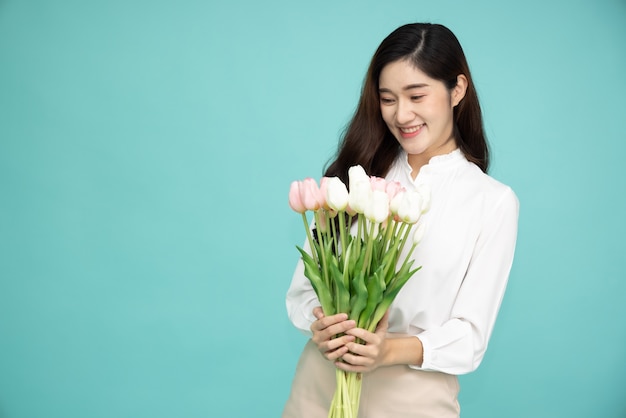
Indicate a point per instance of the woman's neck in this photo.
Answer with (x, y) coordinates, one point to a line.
(417, 161)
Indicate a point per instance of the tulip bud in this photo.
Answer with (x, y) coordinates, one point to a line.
(394, 205)
(323, 192)
(378, 183)
(322, 222)
(360, 195)
(424, 191)
(310, 194)
(410, 208)
(294, 198)
(418, 234)
(356, 174)
(336, 194)
(393, 188)
(378, 209)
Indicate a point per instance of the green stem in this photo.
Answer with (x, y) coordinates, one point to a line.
(329, 235)
(390, 230)
(333, 225)
(322, 244)
(309, 237)
(359, 234)
(405, 237)
(368, 250)
(408, 256)
(342, 233)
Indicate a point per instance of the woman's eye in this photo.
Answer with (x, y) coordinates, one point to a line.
(385, 100)
(416, 97)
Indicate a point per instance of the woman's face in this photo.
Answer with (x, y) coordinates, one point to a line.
(418, 110)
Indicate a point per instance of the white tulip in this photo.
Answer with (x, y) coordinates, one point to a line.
(360, 195)
(410, 208)
(394, 205)
(378, 209)
(424, 190)
(356, 174)
(336, 194)
(418, 234)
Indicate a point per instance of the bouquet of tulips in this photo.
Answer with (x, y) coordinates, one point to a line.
(355, 264)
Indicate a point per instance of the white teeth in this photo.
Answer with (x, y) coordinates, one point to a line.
(412, 129)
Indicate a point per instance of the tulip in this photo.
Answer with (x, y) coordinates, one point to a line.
(378, 183)
(322, 221)
(310, 194)
(336, 194)
(394, 205)
(424, 191)
(294, 197)
(360, 195)
(410, 208)
(393, 188)
(323, 192)
(356, 174)
(377, 210)
(418, 234)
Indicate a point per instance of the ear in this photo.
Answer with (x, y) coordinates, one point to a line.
(458, 91)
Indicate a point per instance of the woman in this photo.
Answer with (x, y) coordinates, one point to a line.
(418, 122)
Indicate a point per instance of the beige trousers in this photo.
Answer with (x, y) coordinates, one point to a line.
(387, 392)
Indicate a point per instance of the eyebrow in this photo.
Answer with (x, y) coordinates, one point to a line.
(405, 88)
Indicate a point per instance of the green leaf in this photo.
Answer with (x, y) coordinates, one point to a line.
(342, 294)
(359, 296)
(312, 272)
(390, 294)
(375, 289)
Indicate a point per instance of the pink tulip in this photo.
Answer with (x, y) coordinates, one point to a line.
(322, 223)
(294, 197)
(393, 188)
(310, 194)
(378, 183)
(350, 211)
(324, 192)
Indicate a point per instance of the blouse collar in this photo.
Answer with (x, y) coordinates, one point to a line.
(436, 164)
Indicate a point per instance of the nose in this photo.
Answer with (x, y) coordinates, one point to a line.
(404, 113)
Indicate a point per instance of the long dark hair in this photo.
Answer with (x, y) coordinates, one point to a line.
(436, 51)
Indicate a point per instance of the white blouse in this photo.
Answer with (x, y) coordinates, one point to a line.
(466, 254)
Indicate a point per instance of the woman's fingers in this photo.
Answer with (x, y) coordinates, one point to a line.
(329, 326)
(370, 346)
(335, 348)
(318, 312)
(329, 333)
(366, 356)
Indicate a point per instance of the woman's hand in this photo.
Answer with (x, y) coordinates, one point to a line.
(325, 328)
(369, 355)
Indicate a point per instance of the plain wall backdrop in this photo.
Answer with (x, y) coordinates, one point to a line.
(146, 152)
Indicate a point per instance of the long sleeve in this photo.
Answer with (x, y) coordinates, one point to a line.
(459, 344)
(301, 298)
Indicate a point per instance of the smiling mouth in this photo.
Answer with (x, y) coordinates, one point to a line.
(412, 129)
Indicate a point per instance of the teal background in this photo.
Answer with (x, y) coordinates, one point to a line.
(146, 151)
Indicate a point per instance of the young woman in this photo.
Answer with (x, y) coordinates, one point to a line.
(418, 122)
